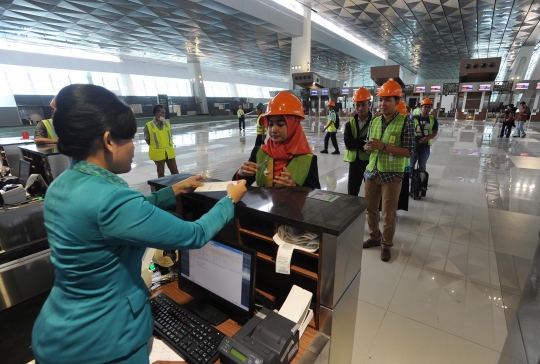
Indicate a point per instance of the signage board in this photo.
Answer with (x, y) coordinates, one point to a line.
(314, 92)
(435, 88)
(522, 86)
(466, 87)
(324, 92)
(486, 87)
(538, 85)
(344, 91)
(420, 89)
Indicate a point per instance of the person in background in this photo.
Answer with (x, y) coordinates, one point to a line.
(261, 126)
(45, 132)
(157, 134)
(355, 134)
(508, 121)
(241, 118)
(391, 144)
(332, 130)
(426, 127)
(521, 118)
(98, 229)
(286, 158)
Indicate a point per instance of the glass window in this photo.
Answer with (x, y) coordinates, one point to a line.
(59, 79)
(110, 82)
(138, 85)
(19, 81)
(217, 89)
(78, 77)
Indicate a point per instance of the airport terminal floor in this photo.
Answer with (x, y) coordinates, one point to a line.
(461, 254)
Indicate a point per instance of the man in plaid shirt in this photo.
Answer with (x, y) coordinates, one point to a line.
(391, 144)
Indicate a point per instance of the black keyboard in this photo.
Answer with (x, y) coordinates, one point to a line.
(191, 337)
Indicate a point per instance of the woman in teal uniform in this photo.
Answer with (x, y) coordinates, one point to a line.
(286, 159)
(98, 309)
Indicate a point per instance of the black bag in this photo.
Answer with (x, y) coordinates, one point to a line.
(336, 123)
(419, 183)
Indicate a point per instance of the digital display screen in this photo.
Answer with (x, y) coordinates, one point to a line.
(345, 91)
(378, 89)
(420, 89)
(538, 85)
(523, 86)
(435, 88)
(314, 92)
(354, 90)
(466, 87)
(238, 355)
(324, 92)
(484, 87)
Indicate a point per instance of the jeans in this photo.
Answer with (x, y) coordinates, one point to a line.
(241, 123)
(421, 157)
(519, 128)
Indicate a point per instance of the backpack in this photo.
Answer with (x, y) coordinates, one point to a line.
(336, 122)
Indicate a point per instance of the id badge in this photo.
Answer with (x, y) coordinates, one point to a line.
(392, 139)
(390, 157)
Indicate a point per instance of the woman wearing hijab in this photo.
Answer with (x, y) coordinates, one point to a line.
(286, 159)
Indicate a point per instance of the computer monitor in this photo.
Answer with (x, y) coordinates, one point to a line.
(25, 169)
(225, 273)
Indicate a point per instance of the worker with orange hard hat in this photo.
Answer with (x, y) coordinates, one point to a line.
(391, 144)
(286, 158)
(355, 134)
(426, 127)
(44, 132)
(332, 125)
(241, 118)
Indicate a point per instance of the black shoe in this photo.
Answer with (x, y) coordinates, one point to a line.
(371, 243)
(335, 152)
(324, 151)
(385, 255)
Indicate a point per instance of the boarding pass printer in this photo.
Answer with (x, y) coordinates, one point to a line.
(268, 338)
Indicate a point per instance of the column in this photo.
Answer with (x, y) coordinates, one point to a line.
(127, 85)
(482, 101)
(535, 104)
(301, 48)
(463, 108)
(197, 86)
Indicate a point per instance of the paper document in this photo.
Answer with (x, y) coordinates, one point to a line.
(323, 196)
(214, 186)
(159, 351)
(283, 259)
(296, 306)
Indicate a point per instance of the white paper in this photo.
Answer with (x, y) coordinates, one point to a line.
(283, 259)
(160, 351)
(214, 186)
(33, 177)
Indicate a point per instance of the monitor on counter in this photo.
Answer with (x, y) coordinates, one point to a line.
(486, 87)
(466, 87)
(420, 89)
(324, 92)
(522, 86)
(435, 88)
(314, 92)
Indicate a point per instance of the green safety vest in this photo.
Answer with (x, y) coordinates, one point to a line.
(261, 130)
(417, 111)
(391, 136)
(161, 144)
(298, 167)
(350, 155)
(419, 132)
(331, 125)
(240, 113)
(51, 134)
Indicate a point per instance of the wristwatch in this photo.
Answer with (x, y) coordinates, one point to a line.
(234, 203)
(384, 146)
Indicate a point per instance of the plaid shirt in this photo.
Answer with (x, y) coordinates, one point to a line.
(407, 141)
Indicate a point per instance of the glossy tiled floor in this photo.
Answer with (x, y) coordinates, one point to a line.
(461, 254)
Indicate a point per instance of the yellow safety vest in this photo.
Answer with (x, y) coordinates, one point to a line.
(350, 155)
(419, 132)
(261, 130)
(298, 167)
(391, 136)
(161, 145)
(331, 124)
(51, 133)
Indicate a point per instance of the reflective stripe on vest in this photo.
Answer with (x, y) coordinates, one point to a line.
(261, 130)
(431, 123)
(161, 145)
(350, 155)
(51, 133)
(391, 136)
(331, 125)
(298, 167)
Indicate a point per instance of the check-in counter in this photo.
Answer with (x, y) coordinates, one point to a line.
(10, 148)
(46, 160)
(332, 273)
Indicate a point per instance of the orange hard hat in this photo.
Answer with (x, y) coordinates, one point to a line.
(362, 94)
(285, 103)
(402, 108)
(426, 101)
(390, 88)
(53, 103)
(331, 103)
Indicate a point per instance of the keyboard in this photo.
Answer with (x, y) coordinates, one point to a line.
(191, 337)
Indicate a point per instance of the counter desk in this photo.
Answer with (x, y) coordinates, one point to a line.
(332, 273)
(46, 160)
(12, 153)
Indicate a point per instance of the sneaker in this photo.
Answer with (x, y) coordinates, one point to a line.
(523, 136)
(324, 151)
(515, 136)
(385, 255)
(371, 243)
(335, 152)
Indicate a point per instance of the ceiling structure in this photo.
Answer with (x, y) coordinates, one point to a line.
(427, 37)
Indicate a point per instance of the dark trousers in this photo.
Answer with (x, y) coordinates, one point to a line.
(356, 176)
(242, 123)
(334, 140)
(171, 164)
(508, 126)
(260, 139)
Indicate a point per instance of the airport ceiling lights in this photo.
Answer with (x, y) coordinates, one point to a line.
(432, 37)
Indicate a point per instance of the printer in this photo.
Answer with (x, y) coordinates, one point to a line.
(13, 194)
(268, 338)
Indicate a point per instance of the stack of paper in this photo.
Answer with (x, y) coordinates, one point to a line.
(296, 306)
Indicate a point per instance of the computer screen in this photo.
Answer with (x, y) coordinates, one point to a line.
(25, 168)
(225, 270)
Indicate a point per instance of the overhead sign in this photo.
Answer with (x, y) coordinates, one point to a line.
(484, 87)
(344, 91)
(324, 92)
(538, 85)
(466, 87)
(420, 89)
(314, 92)
(377, 90)
(522, 86)
(435, 88)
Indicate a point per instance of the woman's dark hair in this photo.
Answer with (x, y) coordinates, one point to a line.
(156, 109)
(84, 113)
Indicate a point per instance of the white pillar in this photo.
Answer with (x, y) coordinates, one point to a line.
(197, 86)
(301, 49)
(127, 85)
(482, 101)
(464, 102)
(535, 104)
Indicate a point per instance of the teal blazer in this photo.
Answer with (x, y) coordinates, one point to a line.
(98, 309)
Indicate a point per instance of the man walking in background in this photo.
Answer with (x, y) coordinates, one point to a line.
(521, 118)
(157, 134)
(241, 120)
(331, 126)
